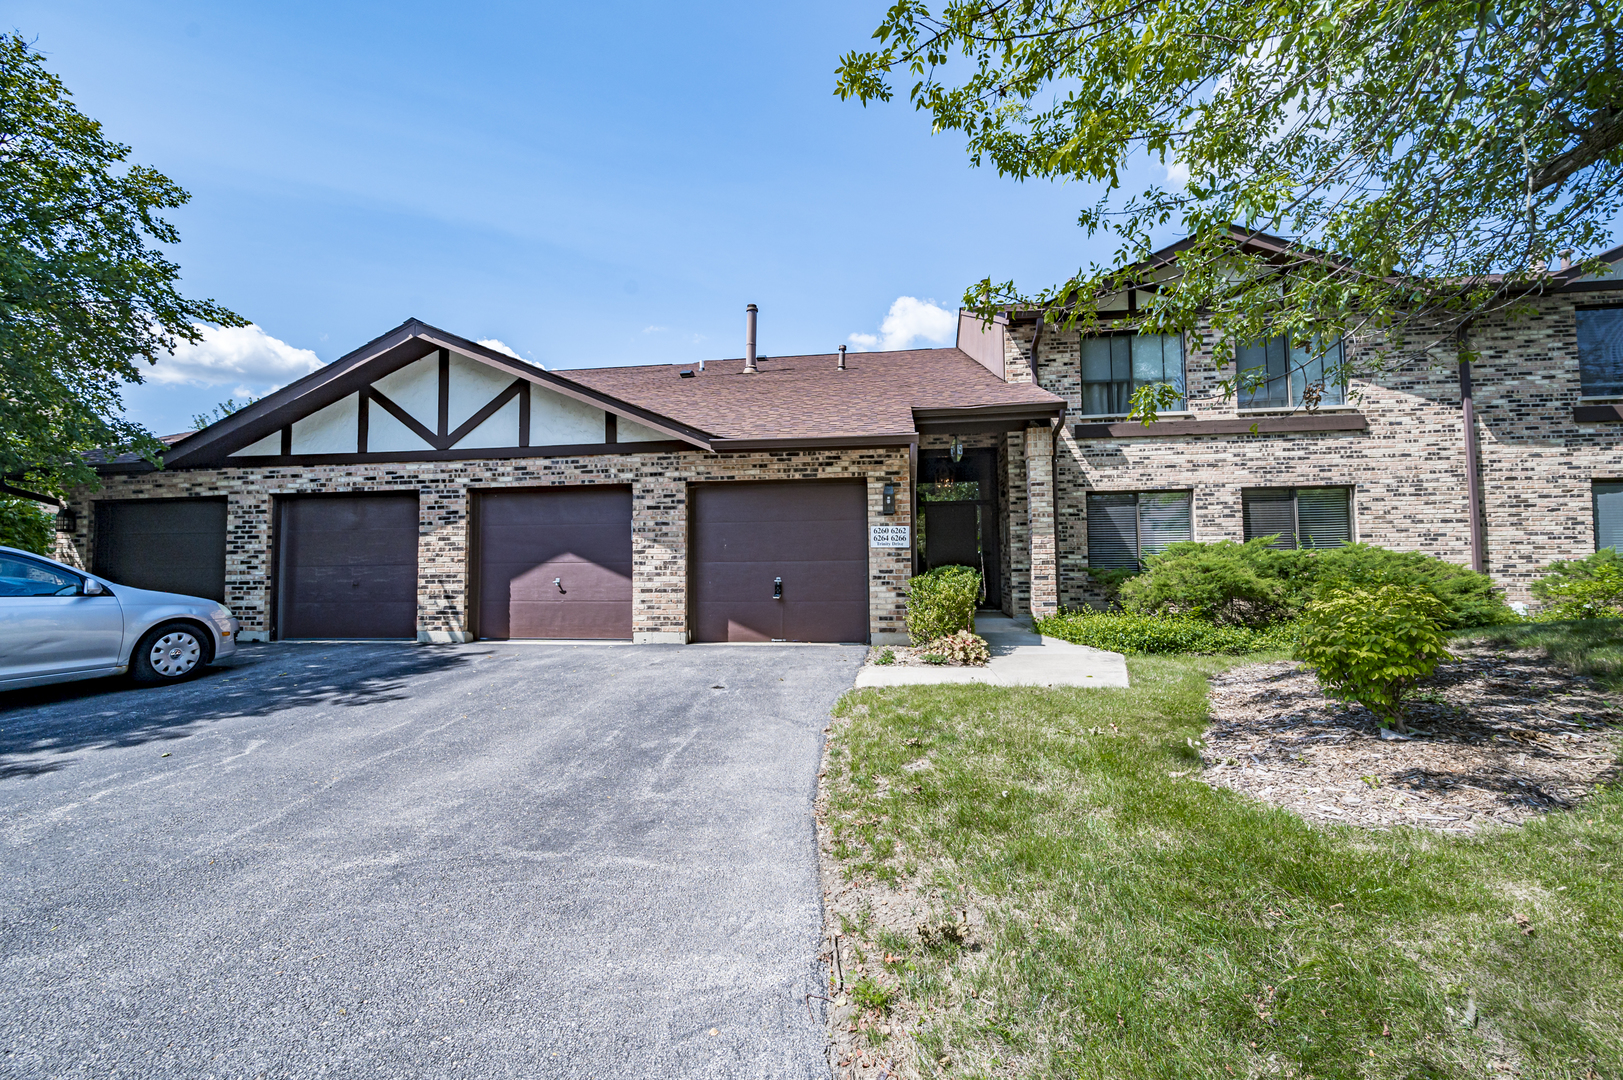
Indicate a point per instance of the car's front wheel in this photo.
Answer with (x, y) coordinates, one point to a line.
(169, 653)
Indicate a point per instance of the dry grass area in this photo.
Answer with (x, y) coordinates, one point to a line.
(1498, 736)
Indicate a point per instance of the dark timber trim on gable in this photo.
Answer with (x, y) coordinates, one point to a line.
(355, 373)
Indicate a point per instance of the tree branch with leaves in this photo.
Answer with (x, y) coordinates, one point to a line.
(1427, 159)
(87, 294)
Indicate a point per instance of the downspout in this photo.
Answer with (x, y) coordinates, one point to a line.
(1473, 479)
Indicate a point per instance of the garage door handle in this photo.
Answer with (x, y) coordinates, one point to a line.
(777, 588)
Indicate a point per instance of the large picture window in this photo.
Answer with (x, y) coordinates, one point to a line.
(1275, 375)
(1114, 365)
(1600, 351)
(1299, 517)
(1126, 527)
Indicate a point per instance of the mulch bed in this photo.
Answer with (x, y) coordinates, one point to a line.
(903, 656)
(1499, 736)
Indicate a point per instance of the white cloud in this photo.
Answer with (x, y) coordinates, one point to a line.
(911, 319)
(1177, 173)
(243, 356)
(655, 329)
(502, 347)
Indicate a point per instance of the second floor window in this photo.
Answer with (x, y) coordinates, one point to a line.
(1114, 365)
(1275, 375)
(1600, 351)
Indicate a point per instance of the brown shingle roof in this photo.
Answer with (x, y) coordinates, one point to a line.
(807, 397)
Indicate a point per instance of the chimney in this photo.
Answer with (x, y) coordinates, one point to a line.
(749, 339)
(842, 357)
(1566, 258)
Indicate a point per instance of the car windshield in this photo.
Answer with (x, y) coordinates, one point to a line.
(25, 577)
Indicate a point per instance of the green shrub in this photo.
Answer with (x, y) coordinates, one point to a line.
(1588, 588)
(1254, 585)
(1133, 633)
(1468, 598)
(964, 647)
(942, 602)
(26, 524)
(1228, 583)
(1372, 645)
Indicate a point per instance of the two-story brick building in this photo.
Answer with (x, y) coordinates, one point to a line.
(425, 486)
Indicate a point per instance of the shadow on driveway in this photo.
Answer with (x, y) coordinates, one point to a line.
(258, 680)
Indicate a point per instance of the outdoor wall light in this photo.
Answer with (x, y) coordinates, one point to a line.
(957, 450)
(887, 503)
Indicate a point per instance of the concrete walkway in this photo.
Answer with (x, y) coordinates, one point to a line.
(1020, 657)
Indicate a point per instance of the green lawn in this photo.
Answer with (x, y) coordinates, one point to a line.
(1140, 923)
(1591, 647)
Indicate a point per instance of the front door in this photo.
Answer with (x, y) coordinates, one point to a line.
(958, 515)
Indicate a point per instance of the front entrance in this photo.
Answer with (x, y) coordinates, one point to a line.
(958, 518)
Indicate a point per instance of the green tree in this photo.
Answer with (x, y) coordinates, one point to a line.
(1442, 150)
(26, 524)
(86, 291)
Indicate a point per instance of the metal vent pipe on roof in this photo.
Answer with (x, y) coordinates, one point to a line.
(749, 339)
(842, 357)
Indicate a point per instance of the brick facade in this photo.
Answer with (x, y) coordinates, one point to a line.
(659, 483)
(1407, 471)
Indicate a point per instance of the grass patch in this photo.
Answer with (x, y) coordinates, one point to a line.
(1592, 647)
(1138, 923)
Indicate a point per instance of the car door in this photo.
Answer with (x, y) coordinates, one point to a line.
(48, 626)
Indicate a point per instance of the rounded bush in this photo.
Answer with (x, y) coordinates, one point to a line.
(1372, 645)
(942, 602)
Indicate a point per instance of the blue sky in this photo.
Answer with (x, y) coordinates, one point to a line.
(589, 184)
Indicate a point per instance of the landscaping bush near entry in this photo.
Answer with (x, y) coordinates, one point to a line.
(1252, 584)
(1131, 633)
(1372, 645)
(964, 648)
(942, 602)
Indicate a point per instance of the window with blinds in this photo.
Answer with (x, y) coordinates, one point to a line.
(1299, 517)
(1114, 365)
(1126, 527)
(1600, 351)
(1608, 500)
(1276, 375)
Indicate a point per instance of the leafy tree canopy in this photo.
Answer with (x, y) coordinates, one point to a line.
(86, 293)
(1443, 151)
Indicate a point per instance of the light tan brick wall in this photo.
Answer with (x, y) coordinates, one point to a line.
(1407, 471)
(659, 484)
(1044, 585)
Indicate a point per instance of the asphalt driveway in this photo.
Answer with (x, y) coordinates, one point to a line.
(381, 861)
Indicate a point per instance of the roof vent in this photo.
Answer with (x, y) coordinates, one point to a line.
(842, 357)
(685, 374)
(749, 340)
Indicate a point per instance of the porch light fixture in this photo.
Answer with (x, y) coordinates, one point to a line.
(957, 450)
(887, 504)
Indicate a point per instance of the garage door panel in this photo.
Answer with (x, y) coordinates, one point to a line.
(169, 545)
(582, 536)
(813, 535)
(348, 567)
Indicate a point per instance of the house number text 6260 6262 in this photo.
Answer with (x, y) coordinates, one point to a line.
(889, 536)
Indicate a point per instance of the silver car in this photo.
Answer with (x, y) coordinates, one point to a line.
(59, 624)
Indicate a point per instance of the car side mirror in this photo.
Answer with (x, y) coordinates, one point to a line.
(94, 588)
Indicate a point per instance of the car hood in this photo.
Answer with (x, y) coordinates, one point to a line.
(147, 598)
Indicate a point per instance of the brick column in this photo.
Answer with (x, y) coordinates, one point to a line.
(442, 564)
(659, 561)
(1040, 521)
(247, 560)
(889, 567)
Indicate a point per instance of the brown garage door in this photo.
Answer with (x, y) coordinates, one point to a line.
(814, 536)
(555, 563)
(347, 567)
(171, 545)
